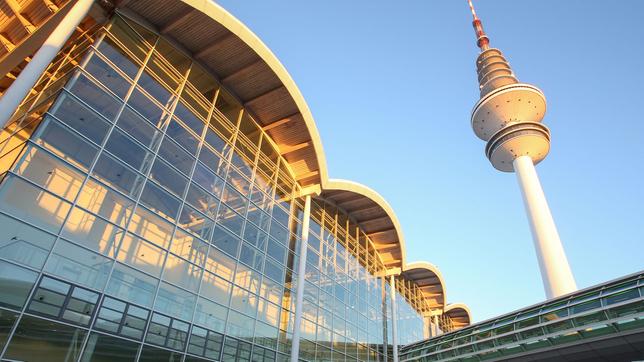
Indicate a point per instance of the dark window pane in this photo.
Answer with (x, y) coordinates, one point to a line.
(160, 201)
(79, 117)
(213, 161)
(226, 241)
(147, 108)
(202, 201)
(102, 348)
(95, 97)
(38, 340)
(176, 155)
(188, 118)
(7, 319)
(107, 75)
(154, 88)
(126, 149)
(168, 177)
(151, 354)
(136, 126)
(54, 136)
(208, 180)
(117, 175)
(186, 139)
(118, 57)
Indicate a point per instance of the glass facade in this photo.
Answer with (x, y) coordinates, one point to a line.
(148, 217)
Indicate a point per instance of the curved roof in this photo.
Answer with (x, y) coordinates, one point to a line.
(374, 216)
(245, 66)
(429, 280)
(459, 313)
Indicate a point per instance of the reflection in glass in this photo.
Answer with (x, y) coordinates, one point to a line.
(34, 341)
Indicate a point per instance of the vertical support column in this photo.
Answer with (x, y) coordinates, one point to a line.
(383, 282)
(301, 270)
(27, 79)
(394, 317)
(555, 271)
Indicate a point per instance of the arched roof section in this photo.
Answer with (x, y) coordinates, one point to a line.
(459, 313)
(429, 280)
(247, 68)
(374, 216)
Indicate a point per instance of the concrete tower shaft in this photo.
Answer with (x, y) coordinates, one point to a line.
(508, 116)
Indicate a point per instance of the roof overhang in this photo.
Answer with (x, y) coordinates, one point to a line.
(247, 68)
(459, 313)
(429, 280)
(374, 216)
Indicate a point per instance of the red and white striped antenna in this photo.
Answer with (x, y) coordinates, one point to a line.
(482, 41)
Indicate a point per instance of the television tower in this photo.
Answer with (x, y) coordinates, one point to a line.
(508, 117)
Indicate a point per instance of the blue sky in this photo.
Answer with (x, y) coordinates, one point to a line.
(391, 85)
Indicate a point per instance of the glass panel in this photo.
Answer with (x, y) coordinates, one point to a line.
(181, 272)
(189, 248)
(23, 243)
(196, 222)
(151, 227)
(147, 108)
(107, 75)
(243, 301)
(188, 118)
(182, 136)
(7, 319)
(79, 265)
(60, 300)
(203, 201)
(205, 343)
(119, 57)
(117, 175)
(102, 348)
(150, 81)
(160, 201)
(63, 143)
(132, 40)
(26, 202)
(210, 315)
(141, 255)
(79, 117)
(34, 341)
(50, 173)
(15, 283)
(208, 180)
(230, 219)
(226, 241)
(131, 285)
(139, 128)
(129, 151)
(168, 177)
(94, 96)
(92, 232)
(175, 302)
(215, 288)
(105, 202)
(176, 156)
(122, 318)
(220, 264)
(151, 354)
(213, 161)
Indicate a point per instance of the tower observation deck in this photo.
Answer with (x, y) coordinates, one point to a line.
(508, 116)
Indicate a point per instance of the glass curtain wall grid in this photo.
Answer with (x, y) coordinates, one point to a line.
(615, 307)
(148, 217)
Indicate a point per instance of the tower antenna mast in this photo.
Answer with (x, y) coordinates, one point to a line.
(508, 116)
